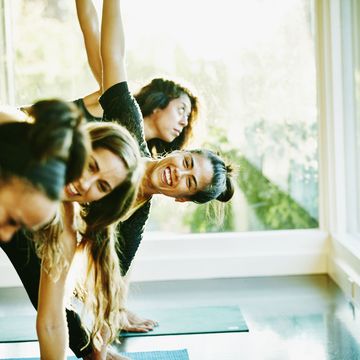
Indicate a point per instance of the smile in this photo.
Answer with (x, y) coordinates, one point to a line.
(71, 189)
(166, 176)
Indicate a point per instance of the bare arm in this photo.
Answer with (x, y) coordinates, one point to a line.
(89, 24)
(51, 324)
(11, 114)
(112, 44)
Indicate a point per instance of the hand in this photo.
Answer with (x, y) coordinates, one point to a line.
(138, 324)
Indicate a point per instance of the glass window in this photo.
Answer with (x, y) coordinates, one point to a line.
(252, 64)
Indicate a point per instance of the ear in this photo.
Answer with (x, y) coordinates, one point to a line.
(183, 199)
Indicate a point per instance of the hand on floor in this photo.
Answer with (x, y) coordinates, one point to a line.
(138, 324)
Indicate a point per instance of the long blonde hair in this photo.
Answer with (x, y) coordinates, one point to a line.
(102, 290)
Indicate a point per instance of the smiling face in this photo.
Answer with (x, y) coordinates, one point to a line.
(181, 174)
(23, 206)
(105, 172)
(169, 122)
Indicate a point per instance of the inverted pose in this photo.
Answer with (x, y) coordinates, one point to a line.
(110, 179)
(170, 109)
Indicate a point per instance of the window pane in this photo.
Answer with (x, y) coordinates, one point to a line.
(251, 62)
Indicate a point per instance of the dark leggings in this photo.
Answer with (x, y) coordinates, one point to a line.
(21, 252)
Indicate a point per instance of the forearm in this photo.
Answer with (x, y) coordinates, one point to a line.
(51, 323)
(112, 44)
(89, 24)
(53, 337)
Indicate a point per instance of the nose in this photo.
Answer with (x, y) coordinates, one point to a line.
(180, 172)
(184, 120)
(85, 182)
(7, 232)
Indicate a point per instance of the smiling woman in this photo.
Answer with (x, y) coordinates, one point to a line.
(36, 160)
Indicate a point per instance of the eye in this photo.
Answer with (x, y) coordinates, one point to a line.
(91, 166)
(188, 183)
(12, 222)
(186, 163)
(181, 110)
(103, 187)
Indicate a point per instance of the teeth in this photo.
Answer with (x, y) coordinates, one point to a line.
(168, 176)
(73, 189)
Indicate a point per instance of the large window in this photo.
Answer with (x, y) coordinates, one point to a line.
(251, 62)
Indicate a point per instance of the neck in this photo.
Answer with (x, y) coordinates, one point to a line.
(147, 189)
(149, 128)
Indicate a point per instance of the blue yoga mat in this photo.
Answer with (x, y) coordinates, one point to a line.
(194, 320)
(146, 355)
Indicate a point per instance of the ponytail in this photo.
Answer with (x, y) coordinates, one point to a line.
(59, 132)
(48, 153)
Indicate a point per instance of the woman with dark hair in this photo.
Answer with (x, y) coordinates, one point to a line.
(36, 161)
(169, 108)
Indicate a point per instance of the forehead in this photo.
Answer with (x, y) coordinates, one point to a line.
(203, 170)
(111, 167)
(183, 99)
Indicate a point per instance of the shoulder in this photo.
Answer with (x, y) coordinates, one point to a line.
(119, 91)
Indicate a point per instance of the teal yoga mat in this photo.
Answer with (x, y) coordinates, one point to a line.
(194, 320)
(174, 321)
(17, 328)
(146, 355)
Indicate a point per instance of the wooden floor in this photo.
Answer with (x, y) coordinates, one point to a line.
(292, 317)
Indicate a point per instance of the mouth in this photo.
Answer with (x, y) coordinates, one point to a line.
(177, 132)
(71, 190)
(166, 177)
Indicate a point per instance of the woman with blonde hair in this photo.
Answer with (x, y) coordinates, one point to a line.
(105, 191)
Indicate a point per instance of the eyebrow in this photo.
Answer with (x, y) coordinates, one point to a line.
(104, 182)
(95, 162)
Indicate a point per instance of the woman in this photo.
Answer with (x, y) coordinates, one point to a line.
(106, 191)
(169, 108)
(198, 176)
(36, 160)
(107, 188)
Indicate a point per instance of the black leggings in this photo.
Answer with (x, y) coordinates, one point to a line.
(21, 252)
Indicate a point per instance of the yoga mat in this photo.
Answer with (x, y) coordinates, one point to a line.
(146, 355)
(20, 328)
(194, 320)
(174, 321)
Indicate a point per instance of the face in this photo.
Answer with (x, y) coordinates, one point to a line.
(170, 122)
(105, 172)
(182, 174)
(23, 207)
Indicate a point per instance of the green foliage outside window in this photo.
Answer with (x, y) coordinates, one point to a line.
(274, 208)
